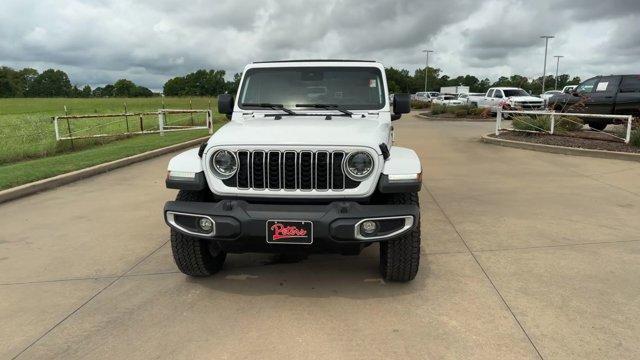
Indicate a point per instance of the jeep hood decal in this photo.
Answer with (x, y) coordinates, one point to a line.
(303, 130)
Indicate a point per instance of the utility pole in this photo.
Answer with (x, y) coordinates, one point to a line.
(546, 45)
(426, 68)
(557, 66)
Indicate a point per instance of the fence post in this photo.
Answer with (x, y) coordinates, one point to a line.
(66, 113)
(141, 124)
(210, 121)
(553, 122)
(629, 124)
(55, 127)
(191, 108)
(498, 121)
(126, 118)
(161, 122)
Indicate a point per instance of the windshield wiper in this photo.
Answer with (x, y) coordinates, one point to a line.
(270, 106)
(326, 107)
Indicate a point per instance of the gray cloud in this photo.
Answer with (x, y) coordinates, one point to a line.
(97, 42)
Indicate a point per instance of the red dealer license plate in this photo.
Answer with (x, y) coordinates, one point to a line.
(289, 232)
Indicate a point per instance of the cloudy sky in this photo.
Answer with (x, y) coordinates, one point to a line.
(100, 41)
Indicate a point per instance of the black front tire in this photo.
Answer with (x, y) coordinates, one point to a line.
(400, 257)
(195, 256)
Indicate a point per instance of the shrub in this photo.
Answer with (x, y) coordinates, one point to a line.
(543, 122)
(438, 109)
(568, 123)
(635, 138)
(415, 104)
(531, 123)
(461, 112)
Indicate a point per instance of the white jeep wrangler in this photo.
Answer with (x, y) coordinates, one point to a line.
(305, 165)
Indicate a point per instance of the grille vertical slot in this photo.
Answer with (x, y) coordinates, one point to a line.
(258, 173)
(290, 170)
(306, 170)
(242, 176)
(274, 170)
(322, 170)
(337, 176)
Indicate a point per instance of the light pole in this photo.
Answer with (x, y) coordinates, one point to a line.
(557, 66)
(546, 45)
(426, 68)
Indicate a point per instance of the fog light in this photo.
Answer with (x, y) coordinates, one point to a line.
(205, 224)
(368, 227)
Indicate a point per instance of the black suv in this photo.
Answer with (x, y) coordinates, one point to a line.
(611, 94)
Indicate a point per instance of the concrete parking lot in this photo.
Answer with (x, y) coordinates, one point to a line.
(525, 255)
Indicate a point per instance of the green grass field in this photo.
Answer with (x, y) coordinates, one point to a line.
(27, 130)
(29, 150)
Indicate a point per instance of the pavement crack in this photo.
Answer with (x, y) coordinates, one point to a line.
(504, 301)
(89, 300)
(59, 280)
(592, 177)
(560, 245)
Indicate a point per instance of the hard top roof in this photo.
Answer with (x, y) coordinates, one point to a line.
(312, 60)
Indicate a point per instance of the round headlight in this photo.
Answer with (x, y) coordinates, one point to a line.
(224, 163)
(359, 165)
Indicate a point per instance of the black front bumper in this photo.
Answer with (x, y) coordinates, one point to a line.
(240, 226)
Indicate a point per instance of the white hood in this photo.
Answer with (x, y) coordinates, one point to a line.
(525, 99)
(370, 131)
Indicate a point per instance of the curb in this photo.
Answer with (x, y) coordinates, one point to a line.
(453, 119)
(63, 179)
(603, 154)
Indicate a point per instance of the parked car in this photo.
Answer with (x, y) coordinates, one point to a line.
(449, 100)
(548, 94)
(465, 97)
(507, 98)
(425, 96)
(612, 94)
(323, 177)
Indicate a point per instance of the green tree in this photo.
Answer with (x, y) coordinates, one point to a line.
(51, 83)
(175, 87)
(231, 87)
(86, 91)
(142, 91)
(7, 84)
(124, 88)
(198, 83)
(398, 81)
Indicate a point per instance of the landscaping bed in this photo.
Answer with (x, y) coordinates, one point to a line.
(453, 117)
(567, 140)
(457, 113)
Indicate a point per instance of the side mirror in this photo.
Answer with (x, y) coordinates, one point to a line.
(401, 105)
(225, 104)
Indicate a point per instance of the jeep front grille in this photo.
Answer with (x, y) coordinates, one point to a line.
(290, 170)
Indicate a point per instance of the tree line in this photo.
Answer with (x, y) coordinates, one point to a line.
(202, 83)
(55, 83)
(29, 82)
(401, 80)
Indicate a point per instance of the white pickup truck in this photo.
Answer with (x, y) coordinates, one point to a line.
(507, 98)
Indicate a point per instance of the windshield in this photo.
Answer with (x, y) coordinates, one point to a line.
(515, 92)
(358, 88)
